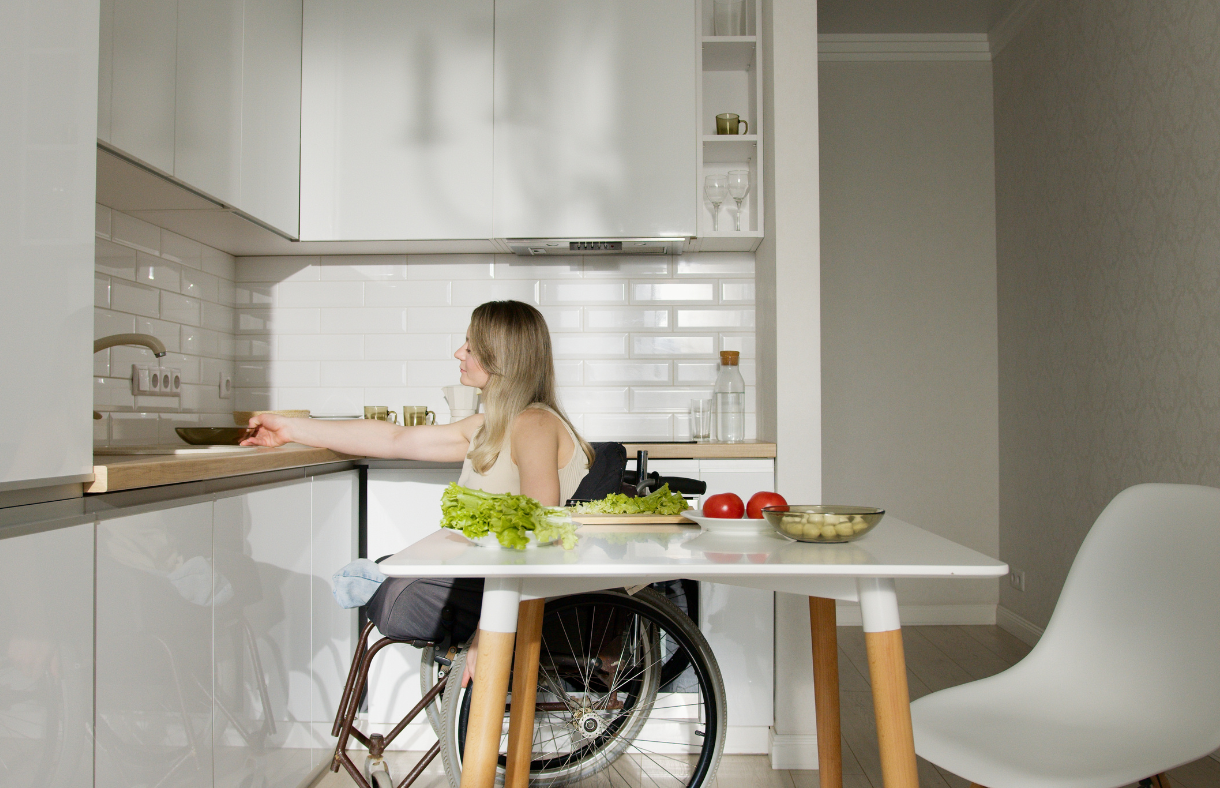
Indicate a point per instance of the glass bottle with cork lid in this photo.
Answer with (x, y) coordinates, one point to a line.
(730, 397)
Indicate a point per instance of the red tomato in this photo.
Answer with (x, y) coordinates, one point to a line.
(726, 505)
(760, 499)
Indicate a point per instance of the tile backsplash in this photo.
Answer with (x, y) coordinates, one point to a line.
(151, 281)
(635, 338)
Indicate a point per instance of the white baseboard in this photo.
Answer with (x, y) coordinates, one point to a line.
(794, 750)
(1018, 626)
(747, 740)
(848, 614)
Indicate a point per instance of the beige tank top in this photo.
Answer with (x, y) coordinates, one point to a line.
(504, 477)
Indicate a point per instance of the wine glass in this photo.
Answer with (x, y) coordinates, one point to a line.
(739, 187)
(716, 188)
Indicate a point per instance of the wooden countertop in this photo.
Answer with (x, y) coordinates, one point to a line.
(119, 472)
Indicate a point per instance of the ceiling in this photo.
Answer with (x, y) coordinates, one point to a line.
(911, 16)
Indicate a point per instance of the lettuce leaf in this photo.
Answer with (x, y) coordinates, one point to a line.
(509, 517)
(660, 501)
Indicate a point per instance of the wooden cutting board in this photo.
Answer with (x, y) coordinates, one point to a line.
(629, 519)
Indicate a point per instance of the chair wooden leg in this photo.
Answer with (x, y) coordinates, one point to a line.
(1160, 781)
(525, 689)
(892, 703)
(822, 625)
(487, 709)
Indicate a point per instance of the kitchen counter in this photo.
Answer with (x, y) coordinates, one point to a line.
(117, 472)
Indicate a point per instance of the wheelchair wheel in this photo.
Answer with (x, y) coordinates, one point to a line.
(600, 709)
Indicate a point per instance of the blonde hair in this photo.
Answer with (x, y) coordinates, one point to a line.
(512, 343)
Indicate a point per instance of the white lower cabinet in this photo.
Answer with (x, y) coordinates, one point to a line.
(46, 658)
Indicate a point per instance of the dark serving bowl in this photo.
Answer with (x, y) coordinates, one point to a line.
(213, 436)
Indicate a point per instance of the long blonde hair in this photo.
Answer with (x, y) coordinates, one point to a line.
(512, 343)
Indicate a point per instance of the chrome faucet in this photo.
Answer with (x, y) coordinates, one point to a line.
(144, 340)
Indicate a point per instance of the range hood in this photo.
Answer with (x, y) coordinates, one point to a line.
(534, 247)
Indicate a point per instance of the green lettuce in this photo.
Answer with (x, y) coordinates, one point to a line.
(509, 517)
(661, 501)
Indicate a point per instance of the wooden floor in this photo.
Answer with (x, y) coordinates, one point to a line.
(937, 658)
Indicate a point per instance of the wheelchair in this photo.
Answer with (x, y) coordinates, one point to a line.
(628, 694)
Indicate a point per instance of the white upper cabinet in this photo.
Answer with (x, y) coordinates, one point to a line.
(594, 118)
(142, 51)
(396, 120)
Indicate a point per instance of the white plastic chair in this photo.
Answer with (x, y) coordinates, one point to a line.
(1125, 682)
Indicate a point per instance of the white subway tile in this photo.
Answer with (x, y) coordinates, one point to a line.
(644, 372)
(716, 264)
(111, 394)
(133, 429)
(582, 399)
(276, 269)
(188, 366)
(180, 309)
(363, 268)
(450, 266)
(135, 233)
(320, 347)
(695, 372)
(114, 260)
(321, 294)
(228, 292)
(168, 333)
(589, 345)
(133, 298)
(647, 345)
(477, 292)
(256, 348)
(101, 430)
(627, 427)
(322, 401)
(160, 404)
(101, 364)
(254, 399)
(696, 319)
(200, 341)
(158, 273)
(431, 320)
(123, 356)
(253, 294)
(254, 374)
(742, 343)
(210, 370)
(280, 321)
(582, 292)
(218, 263)
(106, 323)
(361, 320)
(364, 373)
(602, 318)
(737, 291)
(748, 369)
(433, 372)
(561, 318)
(168, 422)
(673, 292)
(666, 400)
(101, 220)
(407, 346)
(425, 293)
(569, 373)
(228, 346)
(101, 291)
(626, 266)
(181, 250)
(204, 399)
(203, 286)
(510, 266)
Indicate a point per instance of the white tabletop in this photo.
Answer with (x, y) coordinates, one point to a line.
(894, 549)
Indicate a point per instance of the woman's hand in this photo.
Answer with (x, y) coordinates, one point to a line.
(270, 430)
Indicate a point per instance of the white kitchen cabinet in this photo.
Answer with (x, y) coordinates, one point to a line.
(143, 64)
(48, 91)
(46, 656)
(154, 649)
(595, 107)
(263, 636)
(396, 134)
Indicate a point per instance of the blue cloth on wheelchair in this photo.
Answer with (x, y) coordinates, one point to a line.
(355, 584)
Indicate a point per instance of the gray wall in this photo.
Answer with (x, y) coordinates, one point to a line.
(909, 380)
(1108, 241)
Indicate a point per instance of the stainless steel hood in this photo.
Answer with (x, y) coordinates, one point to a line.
(533, 247)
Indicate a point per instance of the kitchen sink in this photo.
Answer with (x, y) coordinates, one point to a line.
(128, 451)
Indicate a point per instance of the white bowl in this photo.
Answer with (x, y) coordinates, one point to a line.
(745, 526)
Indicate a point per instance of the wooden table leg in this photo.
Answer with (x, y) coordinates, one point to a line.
(525, 690)
(888, 674)
(497, 631)
(822, 625)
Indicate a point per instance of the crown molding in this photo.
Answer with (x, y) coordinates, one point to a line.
(1013, 22)
(902, 46)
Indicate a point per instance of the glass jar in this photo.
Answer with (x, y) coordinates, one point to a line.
(730, 397)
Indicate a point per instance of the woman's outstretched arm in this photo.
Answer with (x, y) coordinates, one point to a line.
(368, 437)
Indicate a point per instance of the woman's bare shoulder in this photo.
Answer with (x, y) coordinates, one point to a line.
(535, 419)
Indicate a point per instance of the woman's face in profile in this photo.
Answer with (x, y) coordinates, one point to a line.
(473, 373)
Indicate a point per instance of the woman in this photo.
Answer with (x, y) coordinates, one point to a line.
(522, 443)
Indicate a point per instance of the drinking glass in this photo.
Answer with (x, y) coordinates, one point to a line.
(716, 188)
(739, 187)
(701, 419)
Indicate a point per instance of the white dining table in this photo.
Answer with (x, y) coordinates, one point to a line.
(626, 556)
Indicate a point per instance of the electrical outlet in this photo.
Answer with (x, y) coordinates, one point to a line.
(151, 380)
(1016, 579)
(226, 385)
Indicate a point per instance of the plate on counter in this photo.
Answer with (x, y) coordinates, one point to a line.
(746, 526)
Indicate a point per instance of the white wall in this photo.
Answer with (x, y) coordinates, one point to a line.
(635, 338)
(909, 364)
